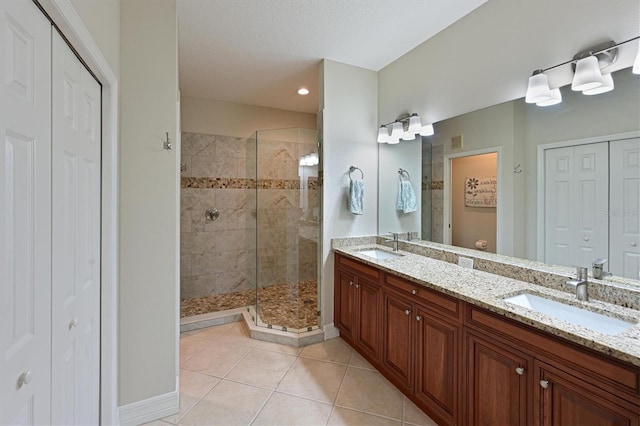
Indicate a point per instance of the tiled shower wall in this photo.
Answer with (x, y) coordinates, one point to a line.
(273, 215)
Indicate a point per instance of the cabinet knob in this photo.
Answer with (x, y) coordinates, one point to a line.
(407, 312)
(418, 318)
(357, 285)
(414, 291)
(520, 371)
(544, 384)
(25, 378)
(350, 282)
(634, 244)
(73, 323)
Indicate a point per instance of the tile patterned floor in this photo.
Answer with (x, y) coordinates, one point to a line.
(226, 378)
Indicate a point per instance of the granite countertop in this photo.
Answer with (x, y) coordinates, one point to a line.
(487, 290)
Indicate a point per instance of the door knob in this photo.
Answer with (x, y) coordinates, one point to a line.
(25, 378)
(520, 371)
(357, 285)
(350, 282)
(544, 384)
(418, 318)
(407, 312)
(73, 323)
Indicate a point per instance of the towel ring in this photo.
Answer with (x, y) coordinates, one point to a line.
(353, 169)
(403, 172)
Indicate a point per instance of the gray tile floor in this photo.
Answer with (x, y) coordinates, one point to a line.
(226, 378)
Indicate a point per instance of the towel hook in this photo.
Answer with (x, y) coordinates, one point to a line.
(403, 171)
(353, 169)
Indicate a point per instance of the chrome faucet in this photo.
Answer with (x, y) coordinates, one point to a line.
(580, 283)
(394, 240)
(598, 269)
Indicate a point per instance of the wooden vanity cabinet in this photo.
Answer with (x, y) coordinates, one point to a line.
(518, 375)
(498, 382)
(358, 306)
(422, 345)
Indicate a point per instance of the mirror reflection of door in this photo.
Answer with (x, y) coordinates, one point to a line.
(473, 214)
(592, 199)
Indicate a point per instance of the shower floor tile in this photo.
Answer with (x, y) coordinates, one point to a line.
(285, 305)
(298, 390)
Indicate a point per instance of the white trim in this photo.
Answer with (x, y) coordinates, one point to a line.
(446, 231)
(69, 23)
(150, 409)
(540, 225)
(331, 331)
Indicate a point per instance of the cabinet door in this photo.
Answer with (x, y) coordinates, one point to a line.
(397, 340)
(497, 384)
(562, 399)
(368, 317)
(437, 365)
(345, 306)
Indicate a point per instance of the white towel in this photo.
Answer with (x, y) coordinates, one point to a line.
(356, 196)
(407, 201)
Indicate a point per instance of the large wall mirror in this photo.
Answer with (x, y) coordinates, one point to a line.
(561, 183)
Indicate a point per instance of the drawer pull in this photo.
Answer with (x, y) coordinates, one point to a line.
(407, 312)
(520, 371)
(544, 384)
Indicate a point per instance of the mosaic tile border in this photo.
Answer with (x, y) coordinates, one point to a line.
(245, 183)
(437, 185)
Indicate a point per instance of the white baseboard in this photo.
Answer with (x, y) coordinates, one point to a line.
(330, 332)
(150, 409)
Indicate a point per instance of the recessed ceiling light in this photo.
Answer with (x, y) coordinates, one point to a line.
(303, 91)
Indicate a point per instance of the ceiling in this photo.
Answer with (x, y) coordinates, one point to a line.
(259, 52)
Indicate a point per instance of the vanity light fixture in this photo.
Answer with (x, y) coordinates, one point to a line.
(405, 127)
(588, 77)
(606, 86)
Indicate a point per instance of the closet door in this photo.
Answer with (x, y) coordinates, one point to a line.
(576, 189)
(624, 210)
(76, 240)
(25, 214)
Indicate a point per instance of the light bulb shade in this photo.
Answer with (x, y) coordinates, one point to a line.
(538, 89)
(396, 130)
(636, 64)
(606, 86)
(408, 136)
(383, 135)
(556, 98)
(393, 141)
(414, 124)
(587, 75)
(427, 130)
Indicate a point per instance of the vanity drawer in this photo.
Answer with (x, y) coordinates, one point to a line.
(592, 367)
(439, 302)
(358, 268)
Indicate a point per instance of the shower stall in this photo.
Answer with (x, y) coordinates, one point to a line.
(250, 218)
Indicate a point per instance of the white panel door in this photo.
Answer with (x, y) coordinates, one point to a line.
(25, 214)
(76, 240)
(576, 189)
(624, 209)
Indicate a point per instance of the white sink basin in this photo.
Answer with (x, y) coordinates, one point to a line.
(379, 254)
(588, 319)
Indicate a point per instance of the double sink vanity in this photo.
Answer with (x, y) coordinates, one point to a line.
(502, 343)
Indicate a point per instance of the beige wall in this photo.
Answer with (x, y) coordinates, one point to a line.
(469, 224)
(148, 200)
(232, 119)
(102, 19)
